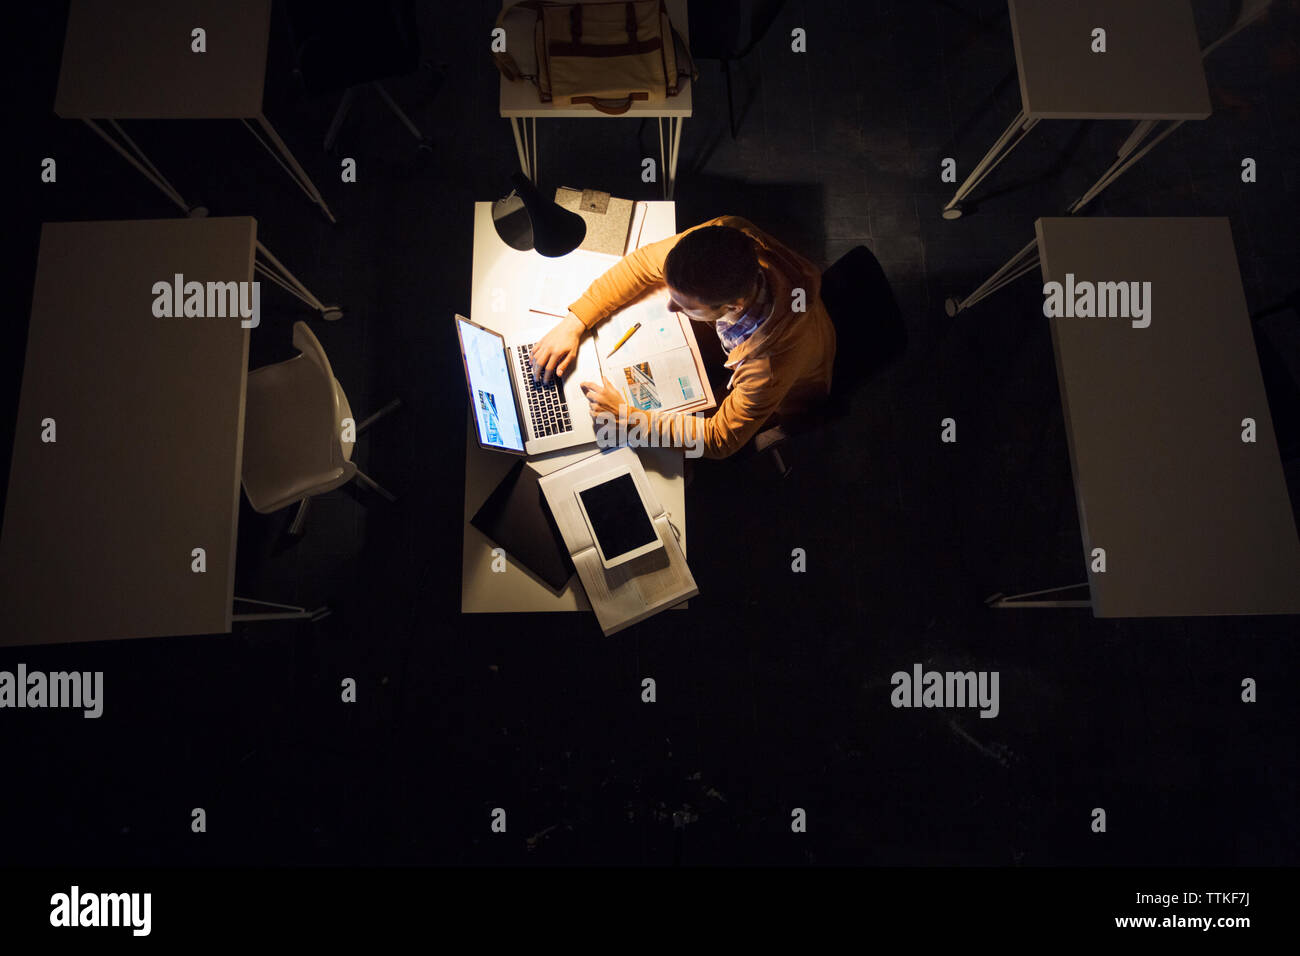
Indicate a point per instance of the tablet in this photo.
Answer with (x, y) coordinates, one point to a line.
(617, 517)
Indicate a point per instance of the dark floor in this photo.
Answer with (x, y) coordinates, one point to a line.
(773, 688)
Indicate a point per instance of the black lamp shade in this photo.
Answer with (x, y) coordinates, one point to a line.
(524, 220)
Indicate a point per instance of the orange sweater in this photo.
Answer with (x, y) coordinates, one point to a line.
(783, 367)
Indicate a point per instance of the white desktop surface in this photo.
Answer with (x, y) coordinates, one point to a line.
(508, 279)
(99, 525)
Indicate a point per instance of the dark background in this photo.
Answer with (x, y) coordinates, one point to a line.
(773, 689)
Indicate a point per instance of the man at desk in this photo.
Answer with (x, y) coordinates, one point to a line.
(761, 298)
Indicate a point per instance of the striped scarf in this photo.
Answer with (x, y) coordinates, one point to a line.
(735, 331)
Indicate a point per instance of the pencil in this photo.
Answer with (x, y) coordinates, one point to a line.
(626, 335)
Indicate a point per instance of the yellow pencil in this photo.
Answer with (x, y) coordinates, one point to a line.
(626, 335)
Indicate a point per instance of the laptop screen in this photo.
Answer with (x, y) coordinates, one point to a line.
(491, 395)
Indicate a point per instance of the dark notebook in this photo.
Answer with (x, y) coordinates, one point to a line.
(517, 518)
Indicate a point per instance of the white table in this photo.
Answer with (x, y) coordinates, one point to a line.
(100, 524)
(1193, 520)
(1151, 73)
(520, 103)
(498, 267)
(134, 61)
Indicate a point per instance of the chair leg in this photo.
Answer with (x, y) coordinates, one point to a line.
(731, 105)
(361, 476)
(388, 409)
(300, 519)
(370, 483)
(782, 469)
(340, 115)
(392, 105)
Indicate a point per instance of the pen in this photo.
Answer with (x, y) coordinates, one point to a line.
(626, 335)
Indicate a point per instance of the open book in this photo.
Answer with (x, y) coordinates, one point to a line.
(634, 589)
(658, 369)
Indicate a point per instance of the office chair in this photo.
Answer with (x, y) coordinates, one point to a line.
(294, 421)
(341, 45)
(869, 334)
(727, 30)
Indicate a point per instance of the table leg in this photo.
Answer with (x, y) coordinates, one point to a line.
(675, 124)
(282, 155)
(515, 124)
(519, 125)
(275, 271)
(1125, 159)
(286, 612)
(134, 155)
(1000, 600)
(532, 149)
(1022, 262)
(663, 165)
(999, 151)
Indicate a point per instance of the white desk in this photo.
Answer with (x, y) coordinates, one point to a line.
(520, 102)
(1193, 520)
(134, 61)
(1151, 72)
(100, 524)
(498, 267)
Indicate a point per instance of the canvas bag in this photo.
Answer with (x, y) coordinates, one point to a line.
(606, 54)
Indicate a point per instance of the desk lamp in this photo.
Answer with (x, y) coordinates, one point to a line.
(524, 220)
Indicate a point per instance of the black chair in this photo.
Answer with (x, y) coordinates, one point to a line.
(340, 45)
(869, 335)
(727, 30)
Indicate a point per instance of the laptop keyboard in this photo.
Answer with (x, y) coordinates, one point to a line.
(547, 410)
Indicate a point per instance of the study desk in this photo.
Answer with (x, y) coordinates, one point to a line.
(1151, 72)
(514, 275)
(521, 105)
(1193, 520)
(147, 414)
(134, 61)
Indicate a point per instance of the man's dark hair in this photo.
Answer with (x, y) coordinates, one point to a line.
(716, 264)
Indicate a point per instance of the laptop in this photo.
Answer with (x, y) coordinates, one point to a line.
(514, 413)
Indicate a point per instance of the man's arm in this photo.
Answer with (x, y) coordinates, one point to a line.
(632, 276)
(623, 282)
(754, 396)
(752, 400)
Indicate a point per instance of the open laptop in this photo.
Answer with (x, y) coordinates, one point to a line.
(513, 412)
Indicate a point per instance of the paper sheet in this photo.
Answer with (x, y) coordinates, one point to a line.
(562, 281)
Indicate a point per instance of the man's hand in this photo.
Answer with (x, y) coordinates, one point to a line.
(556, 350)
(604, 398)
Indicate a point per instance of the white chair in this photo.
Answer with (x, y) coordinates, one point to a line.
(296, 431)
